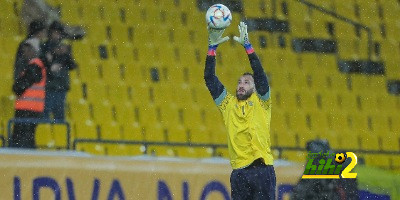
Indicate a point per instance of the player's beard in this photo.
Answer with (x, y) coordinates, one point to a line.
(244, 96)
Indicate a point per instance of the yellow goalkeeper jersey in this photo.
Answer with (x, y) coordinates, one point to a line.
(248, 125)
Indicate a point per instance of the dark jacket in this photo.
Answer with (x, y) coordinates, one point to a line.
(30, 75)
(57, 81)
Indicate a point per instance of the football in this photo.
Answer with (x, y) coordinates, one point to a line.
(340, 158)
(218, 16)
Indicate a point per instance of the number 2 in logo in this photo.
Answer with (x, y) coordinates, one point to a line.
(346, 172)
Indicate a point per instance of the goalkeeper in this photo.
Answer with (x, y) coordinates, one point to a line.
(247, 118)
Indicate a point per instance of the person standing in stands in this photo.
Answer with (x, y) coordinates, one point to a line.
(30, 90)
(36, 34)
(247, 118)
(58, 60)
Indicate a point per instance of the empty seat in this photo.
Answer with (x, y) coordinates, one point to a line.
(155, 133)
(60, 135)
(91, 148)
(44, 137)
(348, 140)
(133, 131)
(369, 142)
(222, 152)
(199, 134)
(86, 130)
(124, 149)
(158, 150)
(377, 160)
(110, 131)
(193, 152)
(178, 134)
(296, 156)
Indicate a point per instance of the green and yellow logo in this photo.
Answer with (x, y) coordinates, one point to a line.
(327, 169)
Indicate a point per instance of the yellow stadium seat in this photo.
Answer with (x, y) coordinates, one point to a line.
(289, 100)
(44, 137)
(219, 134)
(319, 25)
(199, 134)
(170, 116)
(79, 111)
(395, 162)
(346, 9)
(377, 160)
(257, 12)
(155, 133)
(286, 138)
(328, 101)
(136, 149)
(193, 152)
(338, 122)
(347, 48)
(202, 97)
(158, 150)
(116, 150)
(91, 148)
(110, 71)
(381, 124)
(161, 95)
(333, 138)
(319, 122)
(301, 138)
(298, 122)
(132, 131)
(60, 135)
(279, 121)
(118, 94)
(222, 152)
(150, 115)
(69, 12)
(86, 130)
(110, 131)
(296, 156)
(368, 12)
(308, 101)
(177, 133)
(348, 140)
(96, 92)
(339, 83)
(97, 32)
(359, 123)
(125, 112)
(191, 117)
(369, 142)
(346, 102)
(102, 113)
(389, 142)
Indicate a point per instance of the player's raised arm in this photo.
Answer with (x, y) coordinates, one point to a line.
(260, 78)
(213, 84)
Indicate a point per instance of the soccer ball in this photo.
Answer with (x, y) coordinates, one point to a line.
(218, 16)
(340, 158)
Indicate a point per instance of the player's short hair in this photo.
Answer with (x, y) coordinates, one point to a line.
(248, 73)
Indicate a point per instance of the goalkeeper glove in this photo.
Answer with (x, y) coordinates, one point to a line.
(243, 39)
(214, 39)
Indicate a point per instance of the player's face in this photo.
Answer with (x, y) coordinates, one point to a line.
(245, 87)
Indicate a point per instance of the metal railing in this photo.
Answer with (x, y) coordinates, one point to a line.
(38, 121)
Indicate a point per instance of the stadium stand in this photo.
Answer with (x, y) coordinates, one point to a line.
(140, 87)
